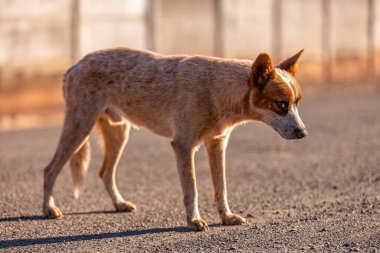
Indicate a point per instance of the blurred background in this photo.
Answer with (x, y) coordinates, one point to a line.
(40, 39)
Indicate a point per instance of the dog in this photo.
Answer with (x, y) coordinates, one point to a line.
(189, 99)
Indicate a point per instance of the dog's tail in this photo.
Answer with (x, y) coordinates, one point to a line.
(79, 163)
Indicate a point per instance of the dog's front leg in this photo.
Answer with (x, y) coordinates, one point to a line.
(216, 153)
(185, 163)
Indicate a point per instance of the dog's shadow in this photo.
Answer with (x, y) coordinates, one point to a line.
(39, 217)
(83, 237)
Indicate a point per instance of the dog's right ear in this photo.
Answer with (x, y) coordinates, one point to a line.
(262, 71)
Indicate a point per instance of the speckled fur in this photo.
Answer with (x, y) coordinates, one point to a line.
(188, 99)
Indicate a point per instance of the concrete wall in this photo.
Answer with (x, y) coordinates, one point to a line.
(349, 30)
(247, 30)
(183, 26)
(34, 36)
(302, 28)
(116, 23)
(37, 36)
(377, 36)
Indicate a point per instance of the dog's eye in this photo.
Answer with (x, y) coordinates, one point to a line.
(282, 105)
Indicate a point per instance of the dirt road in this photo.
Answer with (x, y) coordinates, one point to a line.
(321, 193)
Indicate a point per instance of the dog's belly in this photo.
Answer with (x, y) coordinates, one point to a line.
(162, 128)
(160, 125)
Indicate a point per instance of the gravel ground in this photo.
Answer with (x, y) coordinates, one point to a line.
(320, 194)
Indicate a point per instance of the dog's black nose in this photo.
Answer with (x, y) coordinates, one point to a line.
(298, 133)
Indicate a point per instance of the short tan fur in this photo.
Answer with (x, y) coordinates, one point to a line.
(189, 99)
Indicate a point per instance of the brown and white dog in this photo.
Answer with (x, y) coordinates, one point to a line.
(188, 99)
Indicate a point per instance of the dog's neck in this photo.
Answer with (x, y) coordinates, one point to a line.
(235, 99)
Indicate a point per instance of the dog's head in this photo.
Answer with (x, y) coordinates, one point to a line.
(276, 95)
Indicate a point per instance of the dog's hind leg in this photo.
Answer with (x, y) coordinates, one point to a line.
(77, 126)
(115, 136)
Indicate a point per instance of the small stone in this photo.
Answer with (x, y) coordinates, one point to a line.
(249, 215)
(349, 244)
(256, 227)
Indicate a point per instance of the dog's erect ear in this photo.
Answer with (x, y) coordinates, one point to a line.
(291, 64)
(262, 71)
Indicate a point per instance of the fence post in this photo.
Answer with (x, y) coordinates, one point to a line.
(277, 29)
(218, 29)
(74, 30)
(370, 38)
(149, 25)
(327, 40)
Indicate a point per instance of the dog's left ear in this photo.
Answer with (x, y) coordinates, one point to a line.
(262, 71)
(291, 64)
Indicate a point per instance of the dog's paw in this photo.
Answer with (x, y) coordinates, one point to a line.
(234, 219)
(125, 206)
(52, 212)
(198, 224)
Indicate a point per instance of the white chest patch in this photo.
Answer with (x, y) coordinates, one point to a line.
(287, 79)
